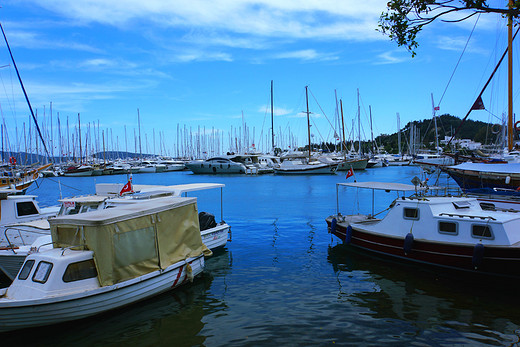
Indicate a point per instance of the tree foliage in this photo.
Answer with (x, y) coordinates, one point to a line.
(404, 19)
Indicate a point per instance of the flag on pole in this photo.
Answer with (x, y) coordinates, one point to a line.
(478, 105)
(127, 188)
(437, 108)
(350, 172)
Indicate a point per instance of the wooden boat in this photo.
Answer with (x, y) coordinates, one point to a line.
(453, 233)
(485, 175)
(153, 247)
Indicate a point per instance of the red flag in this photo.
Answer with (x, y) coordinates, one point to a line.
(437, 108)
(350, 172)
(127, 188)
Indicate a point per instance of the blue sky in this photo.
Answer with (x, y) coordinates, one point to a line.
(209, 64)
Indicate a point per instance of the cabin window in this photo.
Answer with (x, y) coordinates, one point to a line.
(481, 231)
(80, 271)
(42, 272)
(411, 213)
(26, 208)
(448, 228)
(26, 270)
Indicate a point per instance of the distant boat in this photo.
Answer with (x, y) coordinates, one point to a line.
(217, 165)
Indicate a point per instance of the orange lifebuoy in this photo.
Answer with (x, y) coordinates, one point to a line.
(517, 126)
(12, 160)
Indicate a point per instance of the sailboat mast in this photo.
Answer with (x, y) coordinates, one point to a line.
(272, 117)
(308, 120)
(510, 78)
(343, 142)
(359, 123)
(435, 121)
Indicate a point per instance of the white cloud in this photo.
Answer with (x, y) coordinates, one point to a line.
(306, 54)
(391, 58)
(354, 20)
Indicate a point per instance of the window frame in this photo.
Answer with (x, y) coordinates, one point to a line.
(473, 225)
(418, 214)
(47, 273)
(447, 232)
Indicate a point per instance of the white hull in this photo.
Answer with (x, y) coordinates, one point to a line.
(19, 314)
(215, 237)
(306, 170)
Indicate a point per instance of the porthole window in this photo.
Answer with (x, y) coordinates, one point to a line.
(80, 271)
(481, 231)
(26, 270)
(411, 213)
(449, 228)
(42, 272)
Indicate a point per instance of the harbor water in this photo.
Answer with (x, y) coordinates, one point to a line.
(284, 280)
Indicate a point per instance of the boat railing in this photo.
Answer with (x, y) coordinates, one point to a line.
(467, 216)
(18, 230)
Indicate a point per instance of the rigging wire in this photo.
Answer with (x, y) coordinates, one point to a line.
(458, 62)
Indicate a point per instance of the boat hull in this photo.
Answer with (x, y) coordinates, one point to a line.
(216, 237)
(497, 261)
(467, 179)
(31, 313)
(307, 170)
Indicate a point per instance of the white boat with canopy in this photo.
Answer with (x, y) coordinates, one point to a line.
(106, 259)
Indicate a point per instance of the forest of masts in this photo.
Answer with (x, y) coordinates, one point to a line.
(67, 140)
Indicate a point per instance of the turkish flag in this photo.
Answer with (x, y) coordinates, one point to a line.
(127, 188)
(350, 172)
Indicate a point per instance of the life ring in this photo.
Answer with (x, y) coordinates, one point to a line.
(495, 129)
(12, 160)
(517, 126)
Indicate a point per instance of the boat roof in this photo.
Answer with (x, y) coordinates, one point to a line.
(41, 224)
(489, 167)
(400, 187)
(85, 199)
(124, 212)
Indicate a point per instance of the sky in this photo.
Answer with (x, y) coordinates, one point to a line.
(169, 69)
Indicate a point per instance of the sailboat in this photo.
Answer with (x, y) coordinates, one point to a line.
(304, 165)
(491, 177)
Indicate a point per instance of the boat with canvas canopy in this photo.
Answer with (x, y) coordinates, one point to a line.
(106, 259)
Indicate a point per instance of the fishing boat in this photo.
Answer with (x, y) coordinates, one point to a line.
(448, 232)
(18, 209)
(26, 237)
(119, 257)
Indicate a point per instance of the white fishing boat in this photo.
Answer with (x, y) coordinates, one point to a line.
(26, 237)
(447, 232)
(153, 247)
(20, 209)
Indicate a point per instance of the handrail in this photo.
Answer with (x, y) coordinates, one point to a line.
(465, 215)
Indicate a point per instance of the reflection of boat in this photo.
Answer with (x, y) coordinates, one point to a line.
(451, 232)
(152, 247)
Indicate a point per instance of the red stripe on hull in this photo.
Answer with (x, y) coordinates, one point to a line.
(498, 261)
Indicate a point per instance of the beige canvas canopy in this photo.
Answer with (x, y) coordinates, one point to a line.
(135, 239)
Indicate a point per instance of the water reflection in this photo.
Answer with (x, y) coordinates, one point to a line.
(424, 304)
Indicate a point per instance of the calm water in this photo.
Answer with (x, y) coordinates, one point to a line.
(283, 280)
